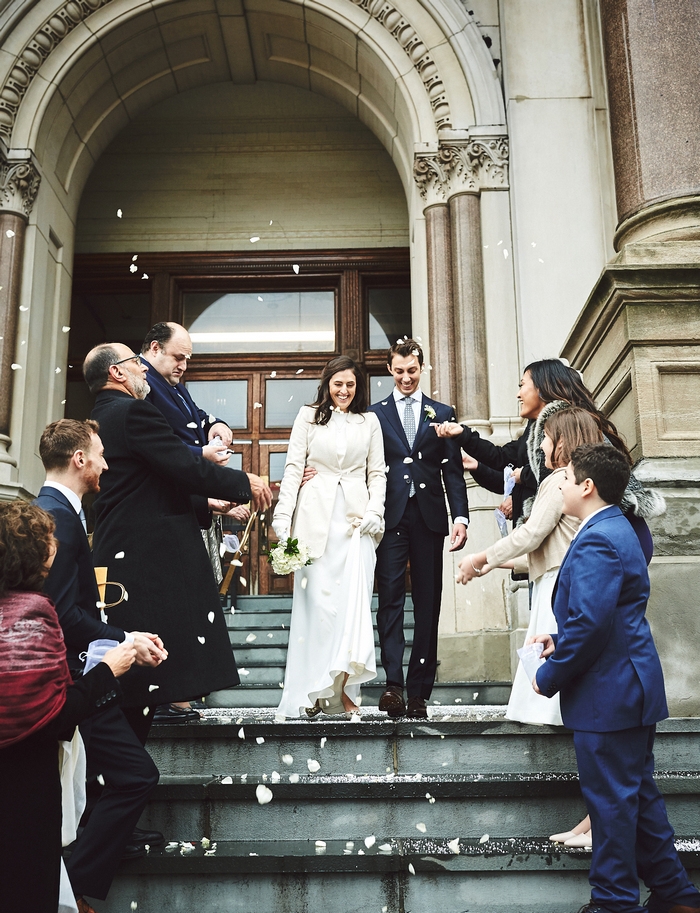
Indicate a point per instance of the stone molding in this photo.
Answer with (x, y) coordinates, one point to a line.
(19, 184)
(462, 166)
(405, 34)
(34, 53)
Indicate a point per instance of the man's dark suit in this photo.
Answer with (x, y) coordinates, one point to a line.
(608, 673)
(415, 529)
(111, 745)
(190, 423)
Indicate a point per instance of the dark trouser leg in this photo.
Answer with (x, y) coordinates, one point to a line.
(130, 775)
(658, 863)
(392, 559)
(140, 723)
(425, 551)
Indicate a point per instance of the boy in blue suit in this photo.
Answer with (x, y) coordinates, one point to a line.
(605, 666)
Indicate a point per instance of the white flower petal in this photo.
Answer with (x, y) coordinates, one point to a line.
(370, 841)
(454, 845)
(119, 213)
(134, 905)
(153, 687)
(241, 733)
(294, 778)
(16, 367)
(254, 239)
(119, 555)
(257, 405)
(320, 843)
(100, 779)
(408, 460)
(295, 267)
(244, 672)
(287, 759)
(313, 765)
(135, 257)
(323, 740)
(275, 777)
(263, 794)
(211, 617)
(192, 425)
(358, 757)
(259, 739)
(250, 638)
(273, 373)
(484, 838)
(411, 869)
(299, 371)
(421, 827)
(201, 639)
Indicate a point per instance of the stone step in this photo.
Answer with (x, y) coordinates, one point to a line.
(291, 876)
(272, 604)
(257, 654)
(264, 636)
(261, 688)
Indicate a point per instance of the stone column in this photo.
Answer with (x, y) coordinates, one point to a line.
(653, 71)
(19, 183)
(440, 306)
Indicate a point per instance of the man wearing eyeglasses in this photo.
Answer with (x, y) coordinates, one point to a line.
(148, 536)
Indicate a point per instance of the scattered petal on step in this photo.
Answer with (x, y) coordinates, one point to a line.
(227, 781)
(385, 848)
(295, 267)
(287, 759)
(370, 841)
(206, 843)
(475, 695)
(349, 844)
(244, 671)
(134, 905)
(320, 843)
(358, 757)
(275, 777)
(323, 740)
(259, 739)
(241, 733)
(411, 869)
(294, 778)
(454, 845)
(313, 765)
(421, 827)
(484, 838)
(239, 720)
(263, 794)
(458, 700)
(210, 852)
(356, 718)
(250, 638)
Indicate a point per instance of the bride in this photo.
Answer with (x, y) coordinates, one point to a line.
(339, 515)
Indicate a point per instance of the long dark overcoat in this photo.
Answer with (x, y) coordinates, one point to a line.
(147, 535)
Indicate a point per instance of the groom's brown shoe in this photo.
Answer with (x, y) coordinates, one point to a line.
(392, 702)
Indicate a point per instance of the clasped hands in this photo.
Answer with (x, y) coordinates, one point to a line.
(145, 650)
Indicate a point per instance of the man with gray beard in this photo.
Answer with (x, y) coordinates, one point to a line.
(147, 534)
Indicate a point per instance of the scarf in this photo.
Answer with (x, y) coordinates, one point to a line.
(34, 673)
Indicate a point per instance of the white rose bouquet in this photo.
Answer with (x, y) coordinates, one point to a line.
(288, 557)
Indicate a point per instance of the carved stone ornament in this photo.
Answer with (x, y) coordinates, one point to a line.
(19, 184)
(467, 166)
(401, 29)
(35, 52)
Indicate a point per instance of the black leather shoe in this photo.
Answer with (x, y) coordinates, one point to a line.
(417, 708)
(134, 851)
(593, 908)
(392, 702)
(152, 838)
(169, 713)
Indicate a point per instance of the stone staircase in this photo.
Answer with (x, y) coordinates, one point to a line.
(259, 633)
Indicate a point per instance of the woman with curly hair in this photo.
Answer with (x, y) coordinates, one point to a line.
(339, 515)
(40, 706)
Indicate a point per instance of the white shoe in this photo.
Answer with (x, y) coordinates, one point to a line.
(563, 837)
(581, 841)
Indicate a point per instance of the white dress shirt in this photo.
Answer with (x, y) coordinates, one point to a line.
(73, 498)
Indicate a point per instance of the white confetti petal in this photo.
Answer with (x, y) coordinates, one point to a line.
(411, 869)
(201, 639)
(275, 777)
(454, 845)
(119, 555)
(273, 373)
(244, 672)
(211, 617)
(358, 757)
(384, 909)
(100, 779)
(16, 367)
(263, 794)
(132, 268)
(254, 239)
(145, 710)
(421, 827)
(10, 233)
(299, 371)
(290, 398)
(323, 740)
(241, 733)
(57, 371)
(100, 605)
(475, 695)
(370, 841)
(145, 276)
(119, 213)
(385, 848)
(153, 687)
(356, 718)
(192, 424)
(260, 298)
(313, 765)
(505, 254)
(294, 778)
(320, 843)
(135, 257)
(295, 267)
(445, 460)
(259, 739)
(422, 485)
(134, 905)
(287, 759)
(360, 852)
(304, 582)
(257, 405)
(484, 838)
(65, 329)
(226, 781)
(408, 460)
(250, 638)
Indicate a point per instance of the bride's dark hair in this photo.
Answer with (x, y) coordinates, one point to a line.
(323, 403)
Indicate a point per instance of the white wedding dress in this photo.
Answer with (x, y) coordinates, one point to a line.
(331, 631)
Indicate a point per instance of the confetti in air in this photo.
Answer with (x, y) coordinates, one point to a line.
(135, 258)
(254, 239)
(241, 733)
(273, 373)
(263, 794)
(323, 740)
(119, 555)
(287, 759)
(243, 672)
(421, 827)
(294, 778)
(16, 367)
(65, 329)
(259, 739)
(134, 905)
(119, 213)
(153, 687)
(23, 307)
(133, 268)
(206, 843)
(10, 233)
(370, 841)
(145, 276)
(211, 617)
(295, 267)
(227, 781)
(100, 779)
(58, 371)
(313, 766)
(484, 838)
(358, 757)
(260, 298)
(201, 639)
(411, 869)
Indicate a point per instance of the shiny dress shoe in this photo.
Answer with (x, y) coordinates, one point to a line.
(656, 905)
(134, 850)
(169, 713)
(392, 702)
(417, 708)
(152, 838)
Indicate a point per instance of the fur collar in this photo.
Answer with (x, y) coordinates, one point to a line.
(643, 502)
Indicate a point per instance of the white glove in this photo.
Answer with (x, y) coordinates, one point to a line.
(281, 527)
(371, 524)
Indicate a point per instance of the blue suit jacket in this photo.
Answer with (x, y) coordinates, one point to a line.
(71, 582)
(605, 664)
(435, 460)
(190, 423)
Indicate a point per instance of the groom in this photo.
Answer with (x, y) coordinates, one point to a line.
(419, 463)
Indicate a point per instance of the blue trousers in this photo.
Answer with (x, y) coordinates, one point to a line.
(632, 836)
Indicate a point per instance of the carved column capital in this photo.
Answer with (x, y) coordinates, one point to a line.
(19, 184)
(462, 166)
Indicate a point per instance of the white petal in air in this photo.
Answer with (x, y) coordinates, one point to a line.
(313, 766)
(250, 638)
(192, 424)
(422, 485)
(211, 616)
(58, 371)
(260, 298)
(411, 869)
(119, 213)
(358, 757)
(145, 276)
(323, 740)
(10, 233)
(153, 687)
(273, 373)
(259, 739)
(421, 827)
(294, 778)
(65, 329)
(227, 781)
(295, 267)
(243, 581)
(257, 405)
(263, 794)
(243, 672)
(254, 239)
(287, 759)
(299, 371)
(133, 268)
(134, 905)
(241, 733)
(484, 838)
(408, 460)
(370, 841)
(454, 846)
(135, 257)
(119, 555)
(201, 639)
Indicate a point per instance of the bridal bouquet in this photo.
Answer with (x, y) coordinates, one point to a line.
(288, 557)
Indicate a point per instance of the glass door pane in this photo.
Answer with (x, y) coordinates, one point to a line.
(226, 399)
(284, 398)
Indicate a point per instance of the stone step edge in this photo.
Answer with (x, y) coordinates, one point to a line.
(385, 855)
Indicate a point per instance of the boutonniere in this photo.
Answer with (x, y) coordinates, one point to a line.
(429, 413)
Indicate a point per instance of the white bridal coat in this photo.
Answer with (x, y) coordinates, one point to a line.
(331, 633)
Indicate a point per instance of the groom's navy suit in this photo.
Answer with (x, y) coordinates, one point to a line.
(415, 530)
(611, 686)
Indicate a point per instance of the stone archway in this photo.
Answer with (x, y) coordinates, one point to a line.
(421, 80)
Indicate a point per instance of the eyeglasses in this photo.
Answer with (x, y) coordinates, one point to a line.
(136, 358)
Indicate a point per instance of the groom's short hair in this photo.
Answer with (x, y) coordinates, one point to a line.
(403, 348)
